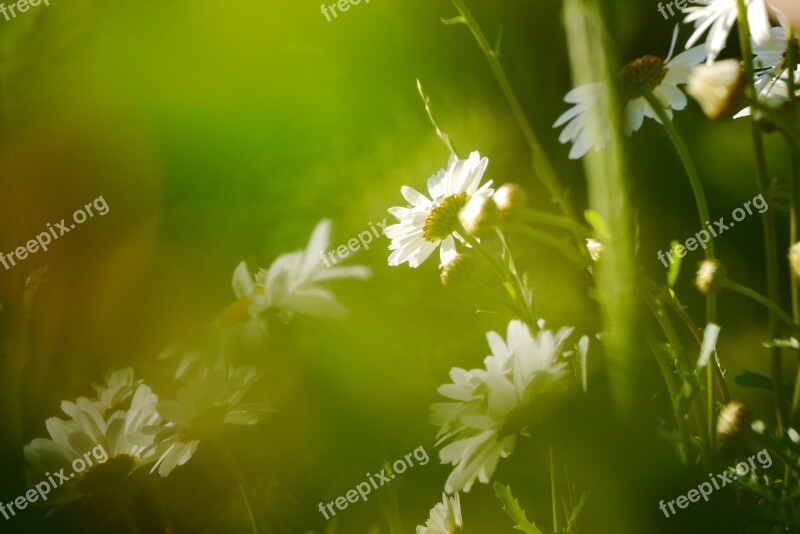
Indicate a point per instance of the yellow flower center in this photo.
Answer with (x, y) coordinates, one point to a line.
(443, 220)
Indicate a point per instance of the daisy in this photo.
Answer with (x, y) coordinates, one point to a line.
(718, 17)
(716, 87)
(772, 72)
(209, 401)
(584, 124)
(433, 222)
(445, 517)
(94, 452)
(482, 420)
(292, 284)
(662, 77)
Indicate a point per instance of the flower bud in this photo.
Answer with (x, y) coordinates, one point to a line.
(709, 276)
(457, 270)
(716, 87)
(794, 258)
(511, 200)
(479, 216)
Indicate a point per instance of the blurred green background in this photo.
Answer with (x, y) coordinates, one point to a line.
(220, 132)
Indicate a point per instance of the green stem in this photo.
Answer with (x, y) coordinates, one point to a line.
(768, 220)
(231, 463)
(702, 209)
(545, 238)
(556, 521)
(504, 300)
(761, 299)
(542, 167)
(794, 211)
(559, 221)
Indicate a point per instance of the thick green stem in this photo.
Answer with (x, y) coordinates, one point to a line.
(554, 491)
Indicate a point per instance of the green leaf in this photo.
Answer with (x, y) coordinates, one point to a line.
(749, 379)
(596, 221)
(577, 510)
(513, 509)
(675, 266)
(455, 20)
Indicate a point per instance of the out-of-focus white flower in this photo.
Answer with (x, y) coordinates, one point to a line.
(208, 401)
(716, 86)
(718, 17)
(292, 284)
(445, 517)
(116, 445)
(431, 223)
(584, 124)
(480, 423)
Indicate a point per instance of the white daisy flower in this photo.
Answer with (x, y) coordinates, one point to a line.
(445, 517)
(663, 79)
(292, 284)
(433, 222)
(718, 17)
(584, 124)
(772, 72)
(115, 446)
(208, 401)
(482, 422)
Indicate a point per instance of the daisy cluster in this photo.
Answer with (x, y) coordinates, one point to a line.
(714, 84)
(140, 430)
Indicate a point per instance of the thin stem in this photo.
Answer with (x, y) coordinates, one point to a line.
(545, 238)
(702, 209)
(761, 299)
(514, 307)
(794, 210)
(680, 420)
(231, 463)
(768, 220)
(559, 221)
(556, 521)
(542, 167)
(439, 132)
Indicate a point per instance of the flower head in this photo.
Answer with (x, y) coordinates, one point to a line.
(292, 284)
(99, 450)
(794, 258)
(662, 79)
(445, 517)
(718, 16)
(487, 407)
(431, 223)
(209, 401)
(709, 276)
(584, 124)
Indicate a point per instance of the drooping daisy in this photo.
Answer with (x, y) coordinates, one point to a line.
(662, 78)
(95, 453)
(292, 284)
(445, 517)
(431, 223)
(488, 407)
(208, 401)
(584, 124)
(718, 17)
